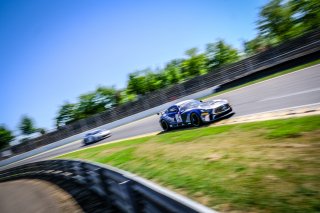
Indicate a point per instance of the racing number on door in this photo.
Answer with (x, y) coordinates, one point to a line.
(178, 118)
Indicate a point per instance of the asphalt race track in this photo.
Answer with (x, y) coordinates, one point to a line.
(294, 89)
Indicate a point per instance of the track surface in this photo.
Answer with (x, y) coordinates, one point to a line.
(294, 89)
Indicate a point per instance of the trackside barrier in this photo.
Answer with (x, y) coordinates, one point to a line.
(111, 125)
(100, 188)
(299, 49)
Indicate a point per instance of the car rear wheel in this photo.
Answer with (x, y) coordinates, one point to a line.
(195, 120)
(165, 125)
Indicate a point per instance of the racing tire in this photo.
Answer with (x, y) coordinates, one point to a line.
(85, 142)
(195, 120)
(165, 126)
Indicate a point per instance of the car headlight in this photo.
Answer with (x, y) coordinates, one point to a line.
(204, 112)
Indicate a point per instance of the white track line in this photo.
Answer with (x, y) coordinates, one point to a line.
(317, 65)
(291, 94)
(277, 110)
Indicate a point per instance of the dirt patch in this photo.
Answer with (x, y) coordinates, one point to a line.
(278, 114)
(31, 196)
(214, 157)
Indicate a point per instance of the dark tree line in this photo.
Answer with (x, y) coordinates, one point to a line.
(26, 127)
(280, 20)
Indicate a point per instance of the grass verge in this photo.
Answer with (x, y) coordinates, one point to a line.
(266, 78)
(268, 166)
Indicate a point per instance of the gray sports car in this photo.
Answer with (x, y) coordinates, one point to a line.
(95, 136)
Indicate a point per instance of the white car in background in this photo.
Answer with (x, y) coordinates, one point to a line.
(95, 136)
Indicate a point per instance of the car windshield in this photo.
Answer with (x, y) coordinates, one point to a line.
(190, 104)
(93, 133)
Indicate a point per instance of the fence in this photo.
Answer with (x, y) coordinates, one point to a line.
(290, 53)
(99, 188)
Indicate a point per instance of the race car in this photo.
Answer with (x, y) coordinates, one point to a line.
(95, 136)
(194, 113)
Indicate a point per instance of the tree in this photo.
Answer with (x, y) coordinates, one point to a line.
(280, 20)
(144, 81)
(154, 80)
(42, 131)
(306, 14)
(127, 97)
(66, 114)
(27, 125)
(258, 44)
(5, 137)
(275, 20)
(284, 20)
(136, 84)
(219, 54)
(101, 99)
(108, 96)
(172, 72)
(192, 52)
(195, 64)
(88, 104)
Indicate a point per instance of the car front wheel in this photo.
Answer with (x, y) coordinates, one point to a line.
(195, 120)
(165, 126)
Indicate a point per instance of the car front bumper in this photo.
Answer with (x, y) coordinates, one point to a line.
(209, 117)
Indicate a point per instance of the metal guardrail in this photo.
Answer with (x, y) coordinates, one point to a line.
(100, 188)
(298, 48)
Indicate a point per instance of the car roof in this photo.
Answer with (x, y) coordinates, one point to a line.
(94, 132)
(183, 102)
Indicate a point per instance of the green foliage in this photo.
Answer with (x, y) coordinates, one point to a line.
(276, 20)
(66, 114)
(195, 65)
(144, 81)
(172, 72)
(177, 70)
(42, 131)
(258, 44)
(91, 103)
(154, 81)
(136, 84)
(5, 137)
(220, 53)
(126, 97)
(280, 20)
(306, 13)
(27, 126)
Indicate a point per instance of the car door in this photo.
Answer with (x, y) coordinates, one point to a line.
(172, 115)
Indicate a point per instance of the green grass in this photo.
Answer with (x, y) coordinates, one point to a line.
(268, 166)
(266, 78)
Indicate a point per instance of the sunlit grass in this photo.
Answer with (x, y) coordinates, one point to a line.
(268, 166)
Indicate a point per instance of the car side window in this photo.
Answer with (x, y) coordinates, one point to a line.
(173, 109)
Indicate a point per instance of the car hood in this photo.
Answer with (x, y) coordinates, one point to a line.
(212, 104)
